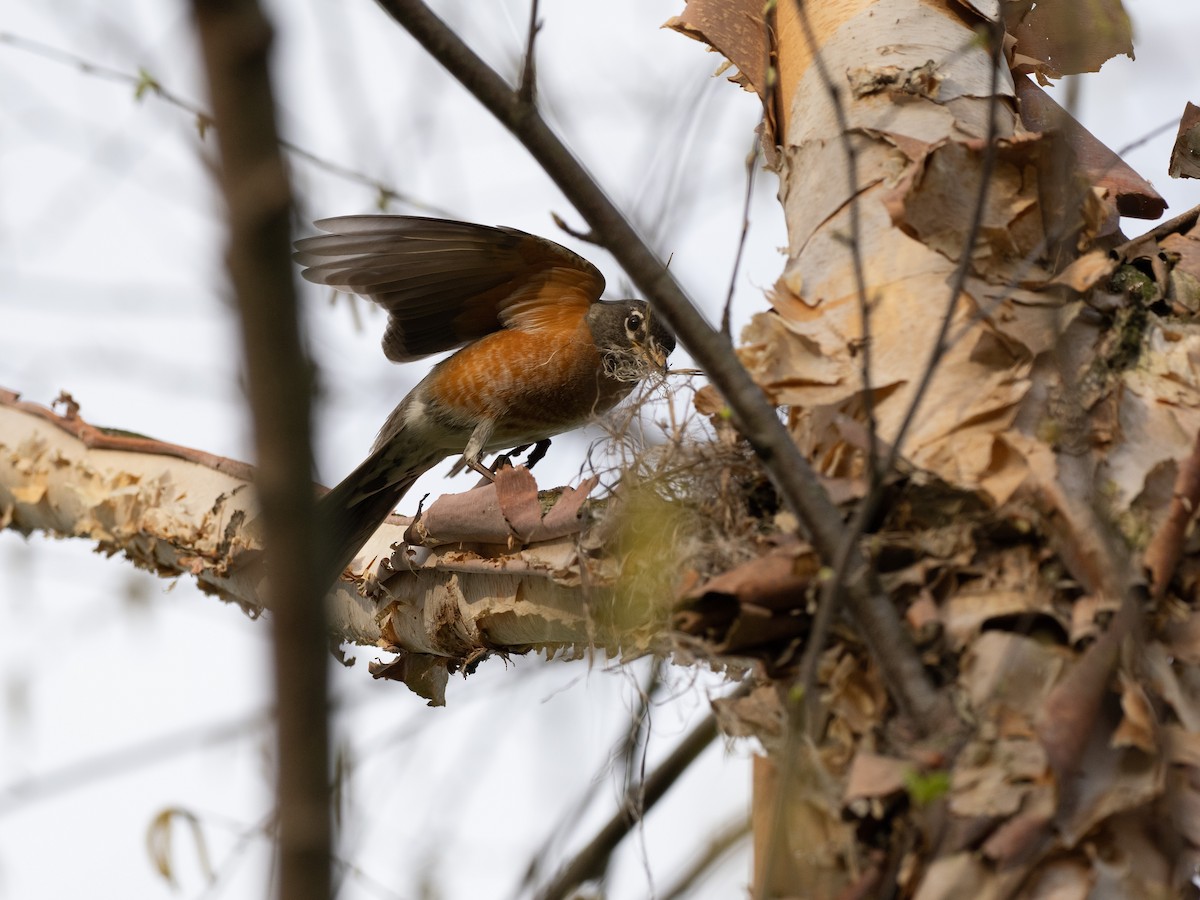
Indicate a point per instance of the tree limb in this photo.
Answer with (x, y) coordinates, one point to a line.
(179, 511)
(235, 39)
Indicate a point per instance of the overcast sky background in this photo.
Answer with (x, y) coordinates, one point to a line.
(111, 287)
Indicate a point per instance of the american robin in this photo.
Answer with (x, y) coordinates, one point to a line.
(541, 353)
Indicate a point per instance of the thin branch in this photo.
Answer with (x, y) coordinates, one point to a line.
(144, 83)
(528, 89)
(757, 420)
(1148, 136)
(715, 851)
(751, 169)
(1181, 223)
(235, 40)
(867, 509)
(585, 236)
(592, 861)
(629, 747)
(134, 758)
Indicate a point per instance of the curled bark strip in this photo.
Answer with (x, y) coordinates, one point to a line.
(1165, 548)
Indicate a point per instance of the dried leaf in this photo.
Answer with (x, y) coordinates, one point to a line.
(1058, 37)
(1011, 586)
(1184, 804)
(1101, 167)
(424, 674)
(1139, 725)
(1086, 272)
(984, 792)
(159, 843)
(1061, 879)
(735, 30)
(1185, 155)
(1180, 690)
(1110, 782)
(1185, 250)
(957, 876)
(855, 695)
(993, 779)
(872, 775)
(1182, 639)
(1005, 669)
(1025, 834)
(1071, 712)
(1181, 746)
(510, 511)
(709, 402)
(758, 714)
(755, 607)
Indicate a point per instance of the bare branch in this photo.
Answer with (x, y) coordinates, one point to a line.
(144, 83)
(528, 89)
(719, 845)
(592, 861)
(869, 506)
(235, 39)
(182, 512)
(130, 758)
(751, 169)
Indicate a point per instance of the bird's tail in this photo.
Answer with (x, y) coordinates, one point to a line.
(350, 513)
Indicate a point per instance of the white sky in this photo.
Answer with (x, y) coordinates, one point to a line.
(111, 288)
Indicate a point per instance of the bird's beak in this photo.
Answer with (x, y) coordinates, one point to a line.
(657, 355)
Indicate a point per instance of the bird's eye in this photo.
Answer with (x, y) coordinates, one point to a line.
(634, 322)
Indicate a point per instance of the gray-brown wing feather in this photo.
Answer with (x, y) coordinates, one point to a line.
(443, 283)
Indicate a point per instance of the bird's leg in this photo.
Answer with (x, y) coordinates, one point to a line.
(474, 449)
(539, 451)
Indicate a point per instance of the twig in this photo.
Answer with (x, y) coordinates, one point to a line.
(871, 609)
(1179, 224)
(629, 746)
(751, 169)
(235, 40)
(528, 89)
(585, 236)
(137, 757)
(719, 846)
(1148, 136)
(867, 509)
(144, 83)
(592, 860)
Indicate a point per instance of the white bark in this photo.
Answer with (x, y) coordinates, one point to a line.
(179, 511)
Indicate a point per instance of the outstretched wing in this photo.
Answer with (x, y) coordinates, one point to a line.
(445, 283)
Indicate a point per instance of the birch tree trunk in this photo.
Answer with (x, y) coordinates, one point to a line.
(959, 353)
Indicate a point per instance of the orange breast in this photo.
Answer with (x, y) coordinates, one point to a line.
(533, 383)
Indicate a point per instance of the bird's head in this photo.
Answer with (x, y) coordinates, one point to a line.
(634, 342)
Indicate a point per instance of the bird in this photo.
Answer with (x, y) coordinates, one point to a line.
(538, 352)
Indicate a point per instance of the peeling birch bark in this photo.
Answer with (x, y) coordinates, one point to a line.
(178, 511)
(1055, 442)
